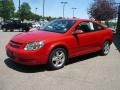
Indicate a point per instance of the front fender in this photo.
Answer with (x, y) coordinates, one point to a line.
(58, 44)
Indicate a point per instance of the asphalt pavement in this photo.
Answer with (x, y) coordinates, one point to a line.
(88, 72)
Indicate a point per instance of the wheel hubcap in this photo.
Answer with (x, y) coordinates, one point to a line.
(58, 58)
(106, 48)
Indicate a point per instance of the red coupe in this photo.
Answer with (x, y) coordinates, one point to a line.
(58, 41)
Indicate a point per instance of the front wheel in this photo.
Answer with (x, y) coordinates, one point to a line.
(106, 48)
(57, 58)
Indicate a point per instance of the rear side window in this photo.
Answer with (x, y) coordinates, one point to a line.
(85, 27)
(89, 27)
(97, 27)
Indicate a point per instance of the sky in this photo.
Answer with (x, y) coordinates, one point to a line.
(54, 7)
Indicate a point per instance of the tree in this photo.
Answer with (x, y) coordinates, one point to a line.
(49, 18)
(7, 9)
(25, 11)
(103, 10)
(35, 17)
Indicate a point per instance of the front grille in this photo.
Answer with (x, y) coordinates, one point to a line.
(15, 44)
(10, 54)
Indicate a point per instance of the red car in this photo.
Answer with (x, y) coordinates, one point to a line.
(59, 40)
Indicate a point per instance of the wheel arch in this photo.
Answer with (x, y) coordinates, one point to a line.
(107, 39)
(59, 46)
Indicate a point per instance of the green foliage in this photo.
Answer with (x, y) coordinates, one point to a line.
(35, 17)
(49, 18)
(7, 9)
(25, 11)
(110, 24)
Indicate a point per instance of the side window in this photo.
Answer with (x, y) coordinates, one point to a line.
(97, 27)
(85, 27)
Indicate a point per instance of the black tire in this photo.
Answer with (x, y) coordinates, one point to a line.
(51, 63)
(105, 48)
(27, 29)
(11, 30)
(4, 29)
(20, 30)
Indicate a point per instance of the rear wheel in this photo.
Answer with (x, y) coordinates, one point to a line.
(57, 58)
(105, 48)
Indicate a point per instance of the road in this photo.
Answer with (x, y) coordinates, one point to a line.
(88, 72)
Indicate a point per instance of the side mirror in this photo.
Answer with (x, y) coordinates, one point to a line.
(77, 32)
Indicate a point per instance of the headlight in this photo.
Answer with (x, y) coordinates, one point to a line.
(34, 45)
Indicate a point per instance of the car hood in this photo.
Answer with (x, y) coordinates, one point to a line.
(35, 36)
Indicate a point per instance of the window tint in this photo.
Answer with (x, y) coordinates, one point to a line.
(97, 27)
(89, 27)
(85, 27)
(60, 26)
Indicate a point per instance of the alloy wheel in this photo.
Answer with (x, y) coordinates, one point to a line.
(106, 48)
(58, 58)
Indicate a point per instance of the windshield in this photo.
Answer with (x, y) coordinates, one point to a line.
(60, 26)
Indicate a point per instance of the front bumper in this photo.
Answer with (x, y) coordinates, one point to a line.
(27, 57)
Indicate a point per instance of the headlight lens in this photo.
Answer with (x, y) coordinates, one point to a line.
(34, 45)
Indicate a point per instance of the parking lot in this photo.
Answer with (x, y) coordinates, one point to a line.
(88, 72)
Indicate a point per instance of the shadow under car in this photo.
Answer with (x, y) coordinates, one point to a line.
(41, 68)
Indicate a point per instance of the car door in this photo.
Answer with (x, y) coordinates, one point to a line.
(99, 32)
(88, 39)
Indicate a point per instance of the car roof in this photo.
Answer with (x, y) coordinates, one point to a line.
(83, 20)
(77, 19)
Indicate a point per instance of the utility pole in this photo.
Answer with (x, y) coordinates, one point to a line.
(36, 10)
(43, 9)
(35, 13)
(19, 10)
(64, 3)
(74, 12)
